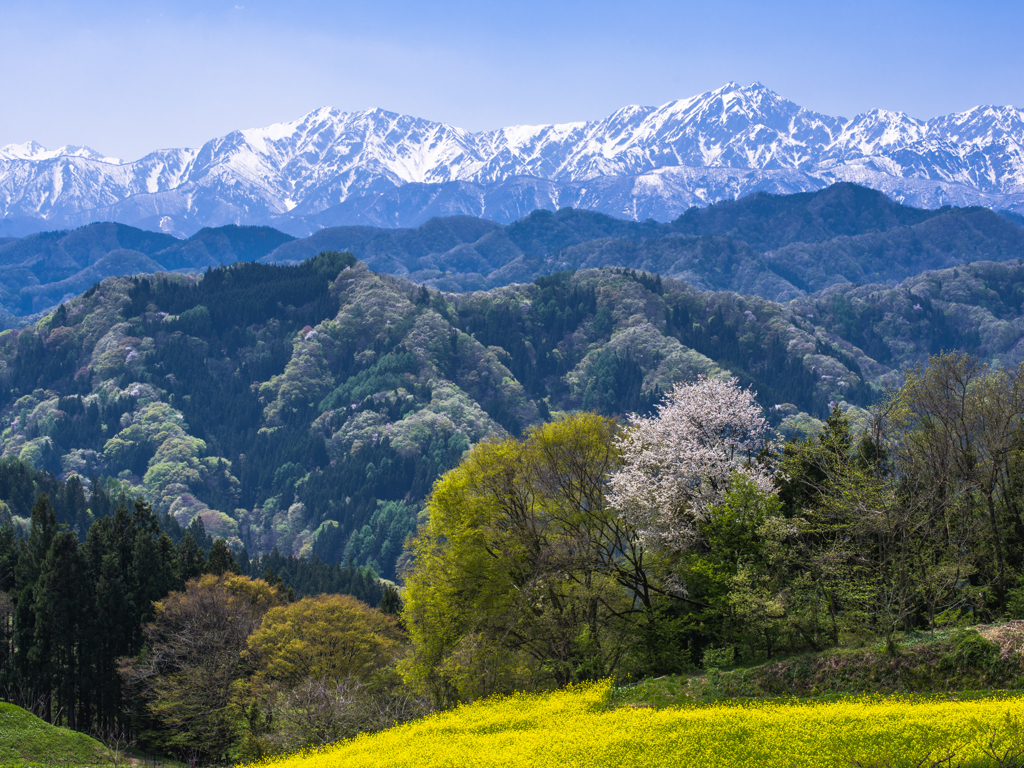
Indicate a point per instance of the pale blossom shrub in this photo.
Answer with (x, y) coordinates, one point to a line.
(680, 462)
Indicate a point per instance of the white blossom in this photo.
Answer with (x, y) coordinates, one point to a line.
(679, 462)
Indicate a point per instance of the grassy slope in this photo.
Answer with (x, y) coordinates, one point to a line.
(25, 739)
(954, 662)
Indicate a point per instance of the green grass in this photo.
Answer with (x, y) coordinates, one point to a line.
(952, 662)
(26, 740)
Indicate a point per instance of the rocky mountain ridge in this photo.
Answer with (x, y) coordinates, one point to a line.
(332, 168)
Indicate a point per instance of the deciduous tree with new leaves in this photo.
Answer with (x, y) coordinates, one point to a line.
(680, 462)
(522, 574)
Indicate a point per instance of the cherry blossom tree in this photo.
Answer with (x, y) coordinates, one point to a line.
(679, 462)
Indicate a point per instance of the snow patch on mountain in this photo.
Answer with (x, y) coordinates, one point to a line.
(331, 167)
(32, 150)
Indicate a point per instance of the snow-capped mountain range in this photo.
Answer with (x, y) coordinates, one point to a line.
(379, 168)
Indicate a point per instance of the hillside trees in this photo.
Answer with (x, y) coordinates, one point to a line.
(194, 644)
(709, 537)
(231, 669)
(681, 461)
(961, 431)
(581, 551)
(745, 579)
(697, 482)
(72, 609)
(323, 672)
(916, 523)
(882, 554)
(523, 572)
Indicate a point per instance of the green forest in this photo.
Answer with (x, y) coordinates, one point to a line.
(310, 408)
(362, 499)
(681, 542)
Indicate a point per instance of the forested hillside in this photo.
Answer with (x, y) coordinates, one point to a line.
(775, 246)
(310, 408)
(185, 455)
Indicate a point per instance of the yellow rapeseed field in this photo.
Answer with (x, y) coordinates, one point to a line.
(572, 728)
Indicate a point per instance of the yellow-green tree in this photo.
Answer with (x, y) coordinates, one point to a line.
(324, 668)
(327, 637)
(523, 574)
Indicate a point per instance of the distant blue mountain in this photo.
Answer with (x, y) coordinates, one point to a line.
(779, 247)
(39, 271)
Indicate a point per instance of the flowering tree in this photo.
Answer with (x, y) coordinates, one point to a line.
(678, 463)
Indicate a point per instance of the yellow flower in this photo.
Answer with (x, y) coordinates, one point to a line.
(574, 728)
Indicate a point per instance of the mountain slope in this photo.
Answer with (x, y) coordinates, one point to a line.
(774, 246)
(39, 271)
(978, 307)
(379, 168)
(311, 407)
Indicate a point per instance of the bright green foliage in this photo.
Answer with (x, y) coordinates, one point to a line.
(328, 637)
(323, 672)
(520, 572)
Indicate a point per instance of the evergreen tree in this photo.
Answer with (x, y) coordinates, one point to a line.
(221, 560)
(60, 616)
(191, 560)
(30, 565)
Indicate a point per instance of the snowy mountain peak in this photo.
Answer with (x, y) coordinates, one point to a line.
(332, 167)
(32, 150)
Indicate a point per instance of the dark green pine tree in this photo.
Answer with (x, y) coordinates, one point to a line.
(8, 565)
(132, 565)
(111, 627)
(60, 598)
(78, 507)
(30, 564)
(8, 557)
(168, 555)
(151, 574)
(221, 560)
(391, 602)
(191, 560)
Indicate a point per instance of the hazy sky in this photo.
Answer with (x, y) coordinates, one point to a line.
(129, 76)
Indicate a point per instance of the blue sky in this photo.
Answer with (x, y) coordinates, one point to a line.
(126, 77)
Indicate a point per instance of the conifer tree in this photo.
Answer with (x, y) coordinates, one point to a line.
(30, 564)
(191, 560)
(60, 598)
